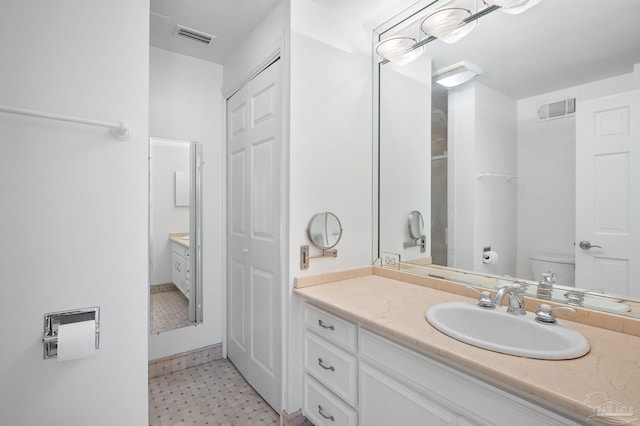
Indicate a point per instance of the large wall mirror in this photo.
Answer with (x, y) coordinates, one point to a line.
(500, 163)
(175, 233)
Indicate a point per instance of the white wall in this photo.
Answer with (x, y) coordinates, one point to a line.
(330, 140)
(405, 154)
(482, 139)
(74, 215)
(265, 38)
(329, 93)
(185, 103)
(166, 218)
(495, 198)
(330, 149)
(546, 172)
(461, 144)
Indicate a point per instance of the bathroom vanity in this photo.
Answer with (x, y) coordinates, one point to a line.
(180, 270)
(371, 358)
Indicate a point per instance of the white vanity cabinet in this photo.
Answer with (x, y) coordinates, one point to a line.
(399, 386)
(180, 265)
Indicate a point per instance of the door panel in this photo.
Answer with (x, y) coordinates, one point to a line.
(608, 193)
(254, 234)
(262, 324)
(262, 190)
(236, 304)
(237, 196)
(612, 193)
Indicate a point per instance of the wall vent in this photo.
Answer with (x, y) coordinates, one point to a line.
(194, 35)
(550, 111)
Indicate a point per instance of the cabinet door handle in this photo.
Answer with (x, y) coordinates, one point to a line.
(321, 364)
(321, 411)
(330, 327)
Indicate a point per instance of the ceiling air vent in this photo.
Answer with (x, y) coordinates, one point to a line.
(564, 108)
(194, 35)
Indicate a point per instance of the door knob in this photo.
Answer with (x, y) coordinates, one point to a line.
(586, 245)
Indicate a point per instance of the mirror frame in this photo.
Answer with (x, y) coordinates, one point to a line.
(444, 272)
(420, 224)
(195, 307)
(315, 243)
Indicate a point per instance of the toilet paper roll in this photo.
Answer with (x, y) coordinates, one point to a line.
(76, 340)
(490, 257)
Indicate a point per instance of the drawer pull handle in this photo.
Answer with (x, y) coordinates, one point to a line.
(330, 327)
(324, 366)
(333, 419)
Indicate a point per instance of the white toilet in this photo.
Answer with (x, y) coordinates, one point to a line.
(564, 266)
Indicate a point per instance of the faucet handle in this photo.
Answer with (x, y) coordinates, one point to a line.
(549, 277)
(575, 296)
(484, 301)
(545, 314)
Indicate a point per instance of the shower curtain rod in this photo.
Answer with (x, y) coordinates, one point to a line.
(120, 131)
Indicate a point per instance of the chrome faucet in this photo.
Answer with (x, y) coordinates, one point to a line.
(516, 299)
(546, 284)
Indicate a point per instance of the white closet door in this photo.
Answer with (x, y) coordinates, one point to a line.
(608, 194)
(254, 144)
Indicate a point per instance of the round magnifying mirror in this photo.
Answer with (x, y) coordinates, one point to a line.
(324, 230)
(416, 224)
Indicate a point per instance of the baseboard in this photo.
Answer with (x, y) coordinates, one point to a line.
(181, 361)
(159, 288)
(295, 419)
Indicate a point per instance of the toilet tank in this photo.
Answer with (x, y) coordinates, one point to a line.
(564, 266)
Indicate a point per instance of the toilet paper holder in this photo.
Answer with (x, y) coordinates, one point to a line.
(53, 320)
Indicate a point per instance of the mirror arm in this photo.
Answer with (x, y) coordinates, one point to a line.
(304, 255)
(420, 241)
(326, 253)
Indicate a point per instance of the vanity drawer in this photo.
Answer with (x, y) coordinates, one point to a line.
(331, 327)
(180, 250)
(323, 408)
(332, 366)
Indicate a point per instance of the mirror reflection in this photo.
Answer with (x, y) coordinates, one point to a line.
(416, 224)
(506, 161)
(174, 234)
(324, 230)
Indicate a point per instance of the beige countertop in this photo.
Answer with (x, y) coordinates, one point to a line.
(179, 238)
(397, 308)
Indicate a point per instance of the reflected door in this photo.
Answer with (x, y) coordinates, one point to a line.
(608, 194)
(254, 233)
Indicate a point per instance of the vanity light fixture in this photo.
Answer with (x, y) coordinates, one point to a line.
(448, 24)
(398, 49)
(513, 7)
(456, 74)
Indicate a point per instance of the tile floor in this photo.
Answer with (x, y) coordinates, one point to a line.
(209, 394)
(168, 309)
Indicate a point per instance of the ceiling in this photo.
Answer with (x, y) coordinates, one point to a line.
(554, 45)
(231, 21)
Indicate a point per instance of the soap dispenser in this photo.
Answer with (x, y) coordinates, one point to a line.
(545, 286)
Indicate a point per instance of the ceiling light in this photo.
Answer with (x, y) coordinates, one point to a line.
(398, 49)
(456, 74)
(513, 7)
(448, 24)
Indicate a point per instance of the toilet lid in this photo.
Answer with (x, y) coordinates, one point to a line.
(556, 258)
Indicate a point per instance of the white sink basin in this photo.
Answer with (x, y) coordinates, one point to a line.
(496, 330)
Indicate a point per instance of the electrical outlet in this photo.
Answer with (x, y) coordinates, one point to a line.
(390, 260)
